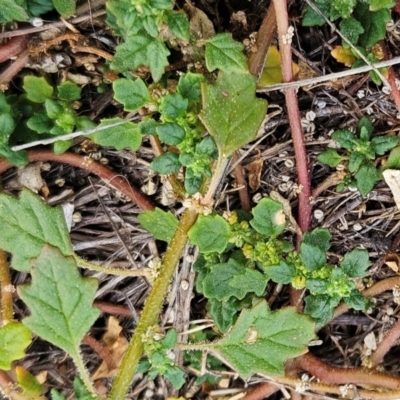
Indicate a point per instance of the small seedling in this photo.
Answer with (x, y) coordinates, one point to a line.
(358, 155)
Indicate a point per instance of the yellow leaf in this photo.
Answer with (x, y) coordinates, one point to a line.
(344, 56)
(272, 72)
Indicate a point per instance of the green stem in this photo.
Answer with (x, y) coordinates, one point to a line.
(80, 366)
(216, 177)
(152, 306)
(80, 262)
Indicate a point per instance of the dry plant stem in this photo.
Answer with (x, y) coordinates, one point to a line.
(241, 182)
(8, 74)
(101, 350)
(261, 391)
(152, 306)
(114, 309)
(111, 178)
(264, 38)
(7, 313)
(13, 47)
(304, 213)
(336, 375)
(390, 339)
(320, 387)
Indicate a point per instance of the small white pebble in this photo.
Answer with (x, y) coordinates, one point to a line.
(104, 161)
(285, 178)
(46, 166)
(320, 104)
(283, 154)
(289, 163)
(357, 227)
(340, 167)
(386, 90)
(318, 214)
(184, 285)
(257, 197)
(369, 110)
(60, 182)
(76, 217)
(361, 94)
(389, 311)
(36, 22)
(283, 187)
(310, 116)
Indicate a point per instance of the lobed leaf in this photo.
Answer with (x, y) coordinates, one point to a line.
(189, 86)
(37, 89)
(223, 313)
(60, 300)
(132, 94)
(210, 233)
(319, 237)
(161, 224)
(355, 263)
(225, 53)
(281, 273)
(313, 257)
(29, 220)
(330, 157)
(178, 24)
(226, 112)
(122, 136)
(14, 339)
(382, 144)
(345, 138)
(167, 163)
(261, 341)
(11, 11)
(69, 91)
(268, 217)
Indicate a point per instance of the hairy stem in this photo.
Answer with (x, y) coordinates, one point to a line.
(6, 288)
(83, 372)
(111, 178)
(152, 306)
(304, 213)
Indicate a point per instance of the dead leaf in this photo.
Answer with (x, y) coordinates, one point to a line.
(254, 169)
(344, 56)
(392, 260)
(305, 71)
(200, 25)
(116, 345)
(272, 71)
(392, 178)
(30, 177)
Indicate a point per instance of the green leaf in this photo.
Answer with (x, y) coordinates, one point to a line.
(60, 300)
(37, 89)
(393, 160)
(375, 5)
(226, 112)
(210, 233)
(40, 122)
(268, 217)
(351, 29)
(281, 273)
(207, 147)
(366, 178)
(7, 126)
(365, 124)
(319, 237)
(148, 127)
(178, 24)
(56, 395)
(317, 286)
(320, 307)
(342, 8)
(81, 392)
(232, 280)
(122, 136)
(193, 181)
(167, 163)
(223, 313)
(313, 257)
(356, 300)
(65, 8)
(382, 144)
(225, 53)
(161, 224)
(355, 263)
(141, 50)
(261, 341)
(10, 11)
(345, 138)
(175, 376)
(29, 383)
(16, 158)
(14, 339)
(355, 161)
(374, 24)
(69, 91)
(330, 157)
(170, 133)
(39, 7)
(54, 109)
(61, 146)
(173, 106)
(311, 18)
(189, 86)
(132, 94)
(30, 221)
(170, 339)
(150, 26)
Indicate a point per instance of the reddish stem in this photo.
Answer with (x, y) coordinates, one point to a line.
(101, 350)
(8, 74)
(337, 375)
(115, 309)
(13, 47)
(241, 182)
(390, 340)
(261, 392)
(304, 213)
(118, 182)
